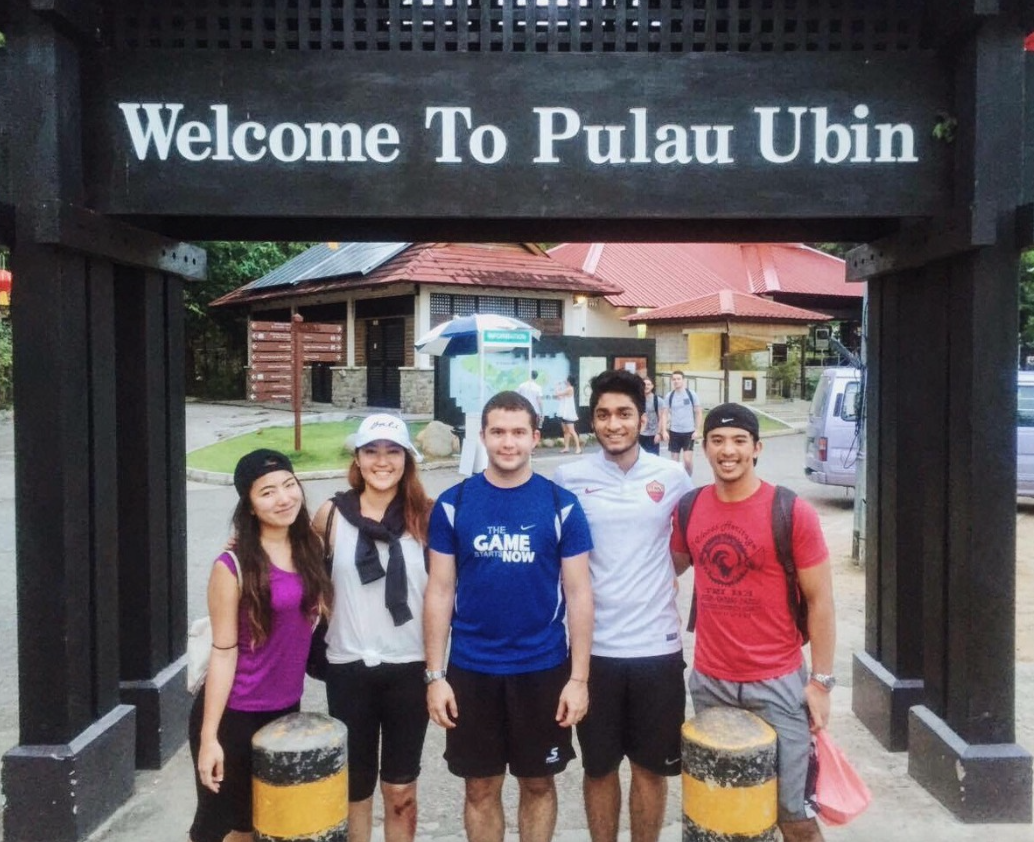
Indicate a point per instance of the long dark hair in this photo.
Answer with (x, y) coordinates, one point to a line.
(416, 505)
(307, 555)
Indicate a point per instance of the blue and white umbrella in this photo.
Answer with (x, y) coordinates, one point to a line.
(470, 334)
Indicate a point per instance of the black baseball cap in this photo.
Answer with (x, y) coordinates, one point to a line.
(732, 415)
(257, 464)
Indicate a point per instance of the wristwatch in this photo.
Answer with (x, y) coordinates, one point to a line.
(826, 682)
(433, 675)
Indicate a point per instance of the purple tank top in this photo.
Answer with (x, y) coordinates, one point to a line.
(270, 676)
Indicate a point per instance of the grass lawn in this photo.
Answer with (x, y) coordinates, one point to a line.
(322, 447)
(769, 425)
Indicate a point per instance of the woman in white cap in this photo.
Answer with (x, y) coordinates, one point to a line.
(375, 650)
(262, 600)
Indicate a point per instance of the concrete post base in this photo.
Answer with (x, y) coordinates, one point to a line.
(978, 783)
(162, 710)
(882, 701)
(61, 793)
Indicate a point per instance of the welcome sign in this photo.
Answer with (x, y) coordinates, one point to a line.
(504, 136)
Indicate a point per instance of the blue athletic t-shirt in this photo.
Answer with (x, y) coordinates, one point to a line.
(508, 543)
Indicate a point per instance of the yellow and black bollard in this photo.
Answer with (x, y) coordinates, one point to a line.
(300, 779)
(728, 778)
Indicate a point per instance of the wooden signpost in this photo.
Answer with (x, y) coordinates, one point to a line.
(279, 352)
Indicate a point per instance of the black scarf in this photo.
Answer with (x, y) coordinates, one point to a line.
(367, 559)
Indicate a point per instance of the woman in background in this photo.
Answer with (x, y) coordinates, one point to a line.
(650, 437)
(568, 413)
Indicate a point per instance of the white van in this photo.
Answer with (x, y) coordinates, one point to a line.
(832, 442)
(834, 432)
(1025, 434)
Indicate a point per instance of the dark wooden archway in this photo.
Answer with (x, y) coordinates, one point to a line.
(97, 218)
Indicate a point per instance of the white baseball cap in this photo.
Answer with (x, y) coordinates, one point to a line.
(383, 427)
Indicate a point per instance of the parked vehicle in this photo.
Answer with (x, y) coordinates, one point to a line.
(834, 433)
(833, 440)
(1025, 434)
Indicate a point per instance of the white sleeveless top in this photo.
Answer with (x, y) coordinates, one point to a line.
(361, 627)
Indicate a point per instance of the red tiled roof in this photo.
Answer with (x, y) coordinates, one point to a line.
(728, 304)
(513, 266)
(657, 274)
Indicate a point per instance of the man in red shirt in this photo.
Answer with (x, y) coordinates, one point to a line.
(748, 648)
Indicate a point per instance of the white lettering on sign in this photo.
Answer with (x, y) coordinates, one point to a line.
(609, 144)
(157, 124)
(815, 134)
(831, 142)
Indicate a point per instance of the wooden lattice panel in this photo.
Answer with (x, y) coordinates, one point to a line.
(520, 25)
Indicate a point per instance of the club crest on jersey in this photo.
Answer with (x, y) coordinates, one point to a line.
(656, 491)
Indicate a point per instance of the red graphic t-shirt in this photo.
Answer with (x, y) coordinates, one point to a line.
(744, 631)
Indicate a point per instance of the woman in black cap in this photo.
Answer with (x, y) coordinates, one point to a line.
(263, 601)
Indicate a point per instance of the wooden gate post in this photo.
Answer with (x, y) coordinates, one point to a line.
(938, 673)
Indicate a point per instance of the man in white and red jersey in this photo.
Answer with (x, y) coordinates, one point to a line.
(636, 670)
(748, 646)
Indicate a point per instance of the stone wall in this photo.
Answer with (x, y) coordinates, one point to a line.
(417, 391)
(349, 387)
(671, 343)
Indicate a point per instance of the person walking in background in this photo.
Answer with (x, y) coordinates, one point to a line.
(533, 392)
(650, 437)
(748, 644)
(635, 674)
(509, 557)
(261, 631)
(568, 413)
(375, 644)
(683, 420)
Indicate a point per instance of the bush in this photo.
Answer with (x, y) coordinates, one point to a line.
(6, 362)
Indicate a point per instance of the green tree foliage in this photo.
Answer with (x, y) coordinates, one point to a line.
(1027, 298)
(216, 338)
(6, 362)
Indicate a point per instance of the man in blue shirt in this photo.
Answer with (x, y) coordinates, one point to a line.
(509, 555)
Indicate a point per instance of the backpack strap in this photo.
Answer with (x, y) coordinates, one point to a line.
(782, 535)
(682, 514)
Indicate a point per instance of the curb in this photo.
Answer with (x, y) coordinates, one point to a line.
(217, 478)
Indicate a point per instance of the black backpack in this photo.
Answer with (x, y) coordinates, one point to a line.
(782, 534)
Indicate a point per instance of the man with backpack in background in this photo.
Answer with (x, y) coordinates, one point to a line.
(682, 421)
(758, 569)
(509, 557)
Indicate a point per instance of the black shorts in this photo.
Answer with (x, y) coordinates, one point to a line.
(383, 707)
(636, 710)
(508, 720)
(677, 442)
(229, 809)
(649, 445)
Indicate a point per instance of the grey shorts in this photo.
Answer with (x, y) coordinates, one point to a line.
(780, 702)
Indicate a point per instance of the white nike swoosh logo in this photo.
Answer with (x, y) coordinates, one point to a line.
(529, 526)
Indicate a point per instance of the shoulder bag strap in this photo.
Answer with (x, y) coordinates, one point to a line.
(237, 569)
(328, 551)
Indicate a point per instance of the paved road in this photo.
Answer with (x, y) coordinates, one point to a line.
(903, 812)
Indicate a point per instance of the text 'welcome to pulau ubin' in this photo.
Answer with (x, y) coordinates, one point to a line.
(782, 134)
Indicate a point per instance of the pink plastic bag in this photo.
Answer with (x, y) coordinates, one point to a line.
(840, 793)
